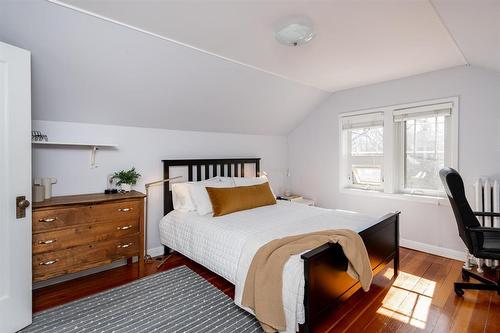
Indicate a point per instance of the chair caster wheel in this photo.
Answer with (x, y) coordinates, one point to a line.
(465, 277)
(459, 291)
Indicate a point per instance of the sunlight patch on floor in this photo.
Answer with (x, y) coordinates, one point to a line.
(409, 299)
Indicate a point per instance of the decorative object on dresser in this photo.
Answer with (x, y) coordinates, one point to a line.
(126, 179)
(47, 183)
(147, 257)
(110, 185)
(38, 193)
(77, 232)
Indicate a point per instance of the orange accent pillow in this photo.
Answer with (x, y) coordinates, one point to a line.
(233, 199)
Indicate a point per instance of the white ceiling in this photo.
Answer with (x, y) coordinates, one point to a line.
(85, 69)
(215, 66)
(357, 42)
(475, 24)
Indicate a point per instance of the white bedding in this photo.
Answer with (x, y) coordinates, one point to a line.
(227, 244)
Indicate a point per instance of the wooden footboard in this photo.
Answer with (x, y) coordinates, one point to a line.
(326, 279)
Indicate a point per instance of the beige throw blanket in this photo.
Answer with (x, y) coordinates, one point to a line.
(263, 285)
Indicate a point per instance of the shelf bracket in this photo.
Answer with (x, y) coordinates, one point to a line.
(93, 152)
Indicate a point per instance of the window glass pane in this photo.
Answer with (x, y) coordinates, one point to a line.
(367, 153)
(368, 175)
(367, 141)
(424, 152)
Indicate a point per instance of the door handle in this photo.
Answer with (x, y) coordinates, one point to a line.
(21, 205)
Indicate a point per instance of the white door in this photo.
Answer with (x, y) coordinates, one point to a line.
(15, 183)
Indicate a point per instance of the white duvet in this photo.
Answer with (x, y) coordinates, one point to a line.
(227, 244)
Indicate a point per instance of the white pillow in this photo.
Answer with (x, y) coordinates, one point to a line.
(222, 179)
(248, 181)
(181, 198)
(199, 193)
(244, 181)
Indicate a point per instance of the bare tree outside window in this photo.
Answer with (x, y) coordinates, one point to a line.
(424, 152)
(367, 152)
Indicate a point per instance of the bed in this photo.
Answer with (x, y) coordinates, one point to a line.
(314, 281)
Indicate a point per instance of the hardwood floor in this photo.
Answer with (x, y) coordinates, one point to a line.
(421, 299)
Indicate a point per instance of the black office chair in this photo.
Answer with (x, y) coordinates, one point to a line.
(482, 242)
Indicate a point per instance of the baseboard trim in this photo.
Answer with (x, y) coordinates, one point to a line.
(156, 251)
(433, 249)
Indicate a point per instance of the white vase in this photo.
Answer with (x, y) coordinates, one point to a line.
(126, 187)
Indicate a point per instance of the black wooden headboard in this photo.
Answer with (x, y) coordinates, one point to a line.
(230, 167)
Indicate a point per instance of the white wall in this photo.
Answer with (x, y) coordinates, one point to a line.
(313, 149)
(144, 148)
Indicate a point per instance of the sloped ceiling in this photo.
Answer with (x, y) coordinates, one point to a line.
(475, 25)
(356, 42)
(215, 65)
(85, 69)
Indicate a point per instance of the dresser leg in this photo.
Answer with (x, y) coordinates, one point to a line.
(129, 261)
(141, 266)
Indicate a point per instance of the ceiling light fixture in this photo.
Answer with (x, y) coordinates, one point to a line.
(295, 34)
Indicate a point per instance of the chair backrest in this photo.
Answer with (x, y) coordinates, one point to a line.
(464, 215)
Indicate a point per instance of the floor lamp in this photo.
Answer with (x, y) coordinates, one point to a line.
(147, 257)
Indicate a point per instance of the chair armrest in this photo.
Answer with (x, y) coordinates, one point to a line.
(487, 214)
(482, 229)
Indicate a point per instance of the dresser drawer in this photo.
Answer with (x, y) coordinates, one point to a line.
(123, 210)
(84, 234)
(49, 219)
(56, 263)
(45, 220)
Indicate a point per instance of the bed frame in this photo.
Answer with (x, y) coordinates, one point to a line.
(327, 283)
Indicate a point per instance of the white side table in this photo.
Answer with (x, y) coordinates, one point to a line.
(304, 201)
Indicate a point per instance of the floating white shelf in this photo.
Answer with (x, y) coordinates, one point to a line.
(94, 147)
(53, 143)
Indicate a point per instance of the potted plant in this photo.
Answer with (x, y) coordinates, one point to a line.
(126, 179)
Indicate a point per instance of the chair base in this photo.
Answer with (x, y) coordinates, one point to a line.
(486, 283)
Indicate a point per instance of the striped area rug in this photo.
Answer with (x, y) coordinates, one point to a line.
(177, 300)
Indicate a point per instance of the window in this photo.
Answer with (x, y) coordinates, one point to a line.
(364, 137)
(421, 139)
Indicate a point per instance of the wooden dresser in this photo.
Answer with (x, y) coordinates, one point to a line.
(78, 232)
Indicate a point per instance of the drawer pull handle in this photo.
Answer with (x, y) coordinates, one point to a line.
(50, 262)
(123, 246)
(48, 241)
(124, 209)
(126, 227)
(48, 219)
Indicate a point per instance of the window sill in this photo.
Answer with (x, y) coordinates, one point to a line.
(434, 200)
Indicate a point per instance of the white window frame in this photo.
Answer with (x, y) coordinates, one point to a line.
(393, 168)
(347, 148)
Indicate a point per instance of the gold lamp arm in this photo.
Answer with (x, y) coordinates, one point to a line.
(147, 257)
(161, 181)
